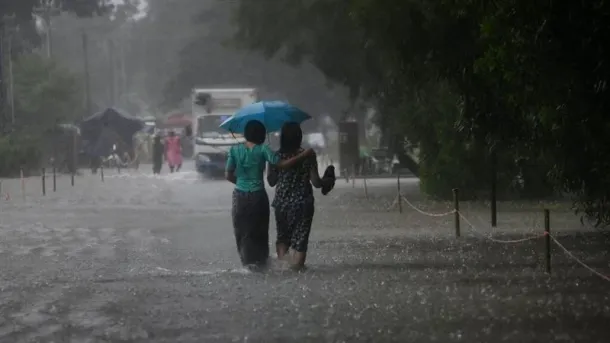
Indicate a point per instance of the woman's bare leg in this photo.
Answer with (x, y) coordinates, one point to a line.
(282, 250)
(298, 260)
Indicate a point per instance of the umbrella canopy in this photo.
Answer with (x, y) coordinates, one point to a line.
(178, 120)
(273, 114)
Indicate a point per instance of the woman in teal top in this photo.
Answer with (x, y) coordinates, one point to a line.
(245, 168)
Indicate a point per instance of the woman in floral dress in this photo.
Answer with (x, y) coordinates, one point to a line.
(294, 200)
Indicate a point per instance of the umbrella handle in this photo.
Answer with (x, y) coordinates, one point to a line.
(235, 138)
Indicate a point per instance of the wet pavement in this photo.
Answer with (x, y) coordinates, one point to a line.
(139, 258)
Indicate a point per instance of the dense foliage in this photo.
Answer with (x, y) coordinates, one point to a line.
(44, 94)
(519, 85)
(24, 9)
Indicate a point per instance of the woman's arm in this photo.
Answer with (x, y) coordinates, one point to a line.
(289, 162)
(314, 175)
(230, 167)
(272, 175)
(230, 176)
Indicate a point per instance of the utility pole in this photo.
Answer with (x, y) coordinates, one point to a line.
(123, 84)
(11, 80)
(87, 75)
(46, 11)
(6, 82)
(2, 83)
(111, 72)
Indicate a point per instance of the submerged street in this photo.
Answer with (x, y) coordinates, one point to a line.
(140, 258)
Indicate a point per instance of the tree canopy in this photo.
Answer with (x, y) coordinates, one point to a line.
(24, 9)
(465, 80)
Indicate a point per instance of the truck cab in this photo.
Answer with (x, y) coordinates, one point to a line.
(211, 144)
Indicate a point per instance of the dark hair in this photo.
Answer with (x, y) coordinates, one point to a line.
(255, 132)
(291, 137)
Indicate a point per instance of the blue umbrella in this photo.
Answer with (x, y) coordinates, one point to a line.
(273, 114)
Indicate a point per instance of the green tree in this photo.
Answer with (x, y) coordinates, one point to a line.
(45, 96)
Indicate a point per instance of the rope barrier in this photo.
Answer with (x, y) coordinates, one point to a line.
(429, 214)
(570, 254)
(472, 228)
(503, 241)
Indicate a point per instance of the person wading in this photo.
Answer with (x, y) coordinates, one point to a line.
(250, 213)
(157, 154)
(294, 200)
(173, 152)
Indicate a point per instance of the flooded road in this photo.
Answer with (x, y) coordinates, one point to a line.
(139, 258)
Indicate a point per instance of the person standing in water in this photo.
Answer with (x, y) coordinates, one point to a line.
(173, 152)
(157, 154)
(250, 212)
(294, 199)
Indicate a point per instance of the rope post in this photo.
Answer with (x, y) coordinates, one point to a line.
(44, 182)
(366, 190)
(399, 196)
(354, 176)
(456, 208)
(54, 178)
(72, 179)
(102, 172)
(22, 183)
(547, 239)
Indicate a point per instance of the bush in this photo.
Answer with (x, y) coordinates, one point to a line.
(18, 152)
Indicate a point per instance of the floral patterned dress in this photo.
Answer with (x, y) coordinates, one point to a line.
(294, 202)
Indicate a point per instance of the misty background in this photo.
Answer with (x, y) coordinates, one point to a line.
(146, 56)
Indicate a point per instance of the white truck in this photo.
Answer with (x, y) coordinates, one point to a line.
(210, 108)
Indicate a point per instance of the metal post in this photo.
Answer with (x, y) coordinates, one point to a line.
(354, 176)
(44, 182)
(547, 239)
(102, 171)
(456, 207)
(399, 199)
(72, 179)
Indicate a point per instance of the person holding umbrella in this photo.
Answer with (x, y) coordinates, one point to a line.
(245, 168)
(250, 210)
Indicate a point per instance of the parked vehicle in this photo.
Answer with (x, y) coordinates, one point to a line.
(210, 143)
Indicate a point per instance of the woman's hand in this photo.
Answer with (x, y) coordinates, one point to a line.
(309, 152)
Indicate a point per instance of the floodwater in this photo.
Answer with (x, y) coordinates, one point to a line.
(143, 258)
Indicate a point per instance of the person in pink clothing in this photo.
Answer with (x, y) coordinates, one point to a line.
(173, 152)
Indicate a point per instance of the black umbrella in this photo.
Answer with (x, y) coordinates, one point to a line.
(122, 123)
(113, 123)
